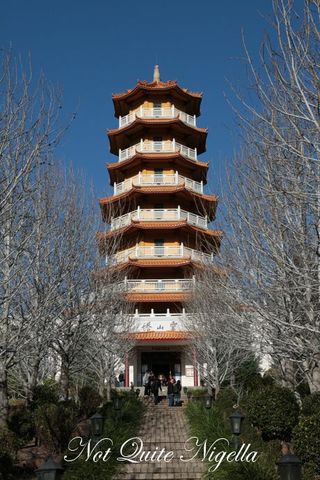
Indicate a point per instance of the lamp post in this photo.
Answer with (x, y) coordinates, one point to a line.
(117, 404)
(50, 470)
(97, 421)
(236, 420)
(289, 467)
(208, 402)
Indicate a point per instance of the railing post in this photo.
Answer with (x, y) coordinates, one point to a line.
(181, 249)
(194, 120)
(120, 121)
(195, 154)
(173, 144)
(115, 188)
(152, 312)
(139, 178)
(141, 144)
(137, 250)
(172, 111)
(141, 111)
(177, 177)
(136, 313)
(179, 212)
(201, 188)
(119, 154)
(183, 311)
(206, 221)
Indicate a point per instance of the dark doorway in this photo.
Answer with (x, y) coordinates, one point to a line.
(162, 363)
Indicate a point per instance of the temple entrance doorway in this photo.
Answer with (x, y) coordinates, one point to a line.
(161, 363)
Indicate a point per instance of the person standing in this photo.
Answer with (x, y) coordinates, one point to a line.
(146, 384)
(171, 383)
(121, 379)
(155, 387)
(177, 393)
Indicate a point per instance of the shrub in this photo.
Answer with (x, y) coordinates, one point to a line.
(198, 391)
(89, 400)
(21, 422)
(55, 424)
(47, 392)
(17, 403)
(274, 410)
(311, 404)
(119, 428)
(225, 400)
(303, 389)
(214, 424)
(248, 373)
(243, 471)
(306, 438)
(8, 448)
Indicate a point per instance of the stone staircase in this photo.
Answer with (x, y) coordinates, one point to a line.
(163, 427)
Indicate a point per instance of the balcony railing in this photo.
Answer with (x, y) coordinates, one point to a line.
(158, 112)
(158, 286)
(166, 146)
(157, 179)
(158, 215)
(153, 251)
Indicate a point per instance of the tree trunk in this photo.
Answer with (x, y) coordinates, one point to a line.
(65, 378)
(289, 370)
(314, 382)
(33, 381)
(4, 402)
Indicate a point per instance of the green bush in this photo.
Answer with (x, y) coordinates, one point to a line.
(311, 404)
(273, 410)
(243, 471)
(225, 400)
(214, 424)
(198, 391)
(306, 439)
(55, 424)
(118, 427)
(248, 373)
(8, 447)
(21, 422)
(303, 389)
(47, 392)
(89, 400)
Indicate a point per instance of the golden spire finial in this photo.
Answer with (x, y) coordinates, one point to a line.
(156, 74)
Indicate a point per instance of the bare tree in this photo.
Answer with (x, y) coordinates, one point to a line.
(220, 345)
(274, 195)
(29, 130)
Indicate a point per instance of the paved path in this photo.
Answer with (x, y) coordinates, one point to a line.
(163, 427)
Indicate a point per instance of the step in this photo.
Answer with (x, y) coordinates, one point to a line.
(158, 476)
(157, 432)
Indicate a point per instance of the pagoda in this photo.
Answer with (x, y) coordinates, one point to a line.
(159, 222)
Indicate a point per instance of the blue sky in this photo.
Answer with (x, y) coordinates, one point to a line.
(95, 48)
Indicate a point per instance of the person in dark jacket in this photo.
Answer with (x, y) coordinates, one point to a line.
(155, 385)
(177, 393)
(171, 383)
